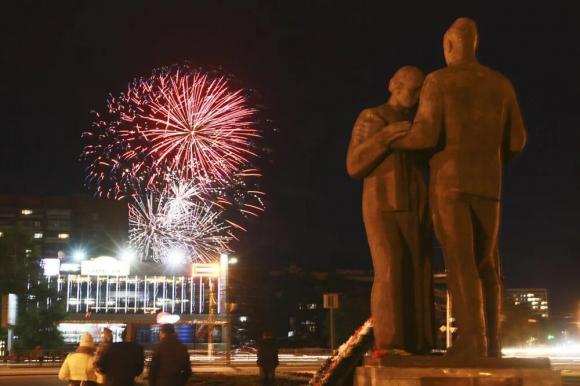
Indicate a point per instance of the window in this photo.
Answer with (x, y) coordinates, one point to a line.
(63, 235)
(311, 306)
(38, 235)
(26, 212)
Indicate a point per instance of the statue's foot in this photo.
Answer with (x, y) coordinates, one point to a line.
(390, 352)
(463, 349)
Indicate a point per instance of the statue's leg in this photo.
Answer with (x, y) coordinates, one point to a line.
(386, 299)
(486, 213)
(419, 283)
(454, 228)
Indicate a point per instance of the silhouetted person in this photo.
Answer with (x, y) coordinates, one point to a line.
(469, 114)
(106, 342)
(170, 365)
(267, 359)
(121, 362)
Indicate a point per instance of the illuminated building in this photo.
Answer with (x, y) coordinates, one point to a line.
(107, 292)
(535, 298)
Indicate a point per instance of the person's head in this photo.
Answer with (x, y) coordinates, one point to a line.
(86, 340)
(166, 331)
(460, 41)
(405, 87)
(106, 335)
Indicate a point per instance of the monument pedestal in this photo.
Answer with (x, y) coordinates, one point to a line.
(442, 371)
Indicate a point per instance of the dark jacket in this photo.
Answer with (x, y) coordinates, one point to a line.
(121, 363)
(267, 354)
(170, 364)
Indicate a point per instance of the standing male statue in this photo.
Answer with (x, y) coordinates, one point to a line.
(396, 220)
(469, 114)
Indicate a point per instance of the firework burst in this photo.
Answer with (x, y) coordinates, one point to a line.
(180, 146)
(160, 224)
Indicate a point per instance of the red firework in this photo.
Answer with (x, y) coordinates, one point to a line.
(193, 126)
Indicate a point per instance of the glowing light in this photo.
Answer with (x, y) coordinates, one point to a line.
(26, 212)
(233, 260)
(176, 256)
(167, 318)
(127, 254)
(63, 235)
(79, 254)
(205, 270)
(38, 235)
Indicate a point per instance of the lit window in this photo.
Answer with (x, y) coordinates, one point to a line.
(63, 235)
(28, 251)
(26, 212)
(1, 234)
(311, 306)
(38, 235)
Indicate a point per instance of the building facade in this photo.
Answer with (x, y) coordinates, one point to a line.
(536, 299)
(59, 224)
(109, 292)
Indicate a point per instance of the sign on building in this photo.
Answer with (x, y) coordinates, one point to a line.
(105, 266)
(50, 267)
(330, 301)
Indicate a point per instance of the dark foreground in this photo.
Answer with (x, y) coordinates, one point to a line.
(205, 380)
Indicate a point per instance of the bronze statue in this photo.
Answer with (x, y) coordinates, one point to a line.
(396, 220)
(469, 115)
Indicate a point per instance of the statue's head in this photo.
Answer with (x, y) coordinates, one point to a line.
(405, 86)
(460, 41)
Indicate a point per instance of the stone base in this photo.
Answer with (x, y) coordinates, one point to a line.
(442, 371)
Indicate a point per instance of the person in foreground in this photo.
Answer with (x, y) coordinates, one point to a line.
(396, 220)
(121, 362)
(267, 359)
(469, 115)
(79, 368)
(170, 365)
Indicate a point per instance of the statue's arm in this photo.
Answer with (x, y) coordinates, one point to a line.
(426, 129)
(369, 144)
(515, 133)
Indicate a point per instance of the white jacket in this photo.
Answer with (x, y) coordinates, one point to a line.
(78, 367)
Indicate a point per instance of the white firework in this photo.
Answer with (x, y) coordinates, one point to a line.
(177, 223)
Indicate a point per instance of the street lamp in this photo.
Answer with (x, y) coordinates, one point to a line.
(79, 255)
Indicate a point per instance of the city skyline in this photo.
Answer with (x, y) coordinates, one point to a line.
(315, 67)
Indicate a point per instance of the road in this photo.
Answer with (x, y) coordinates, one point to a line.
(47, 376)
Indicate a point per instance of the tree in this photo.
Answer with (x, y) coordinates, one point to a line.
(39, 309)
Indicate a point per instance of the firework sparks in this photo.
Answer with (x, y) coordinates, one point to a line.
(160, 224)
(194, 125)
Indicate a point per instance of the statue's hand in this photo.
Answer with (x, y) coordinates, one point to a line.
(394, 131)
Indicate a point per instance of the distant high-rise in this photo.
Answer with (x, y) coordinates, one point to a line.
(535, 298)
(60, 224)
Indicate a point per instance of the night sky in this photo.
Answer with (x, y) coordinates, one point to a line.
(316, 64)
